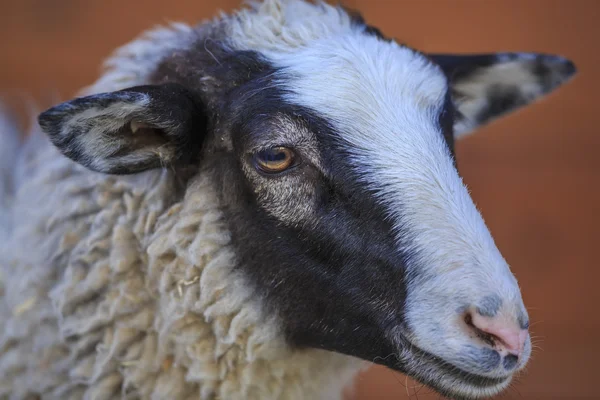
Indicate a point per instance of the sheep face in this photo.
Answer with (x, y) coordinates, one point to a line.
(334, 160)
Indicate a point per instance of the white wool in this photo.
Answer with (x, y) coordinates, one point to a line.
(113, 285)
(284, 26)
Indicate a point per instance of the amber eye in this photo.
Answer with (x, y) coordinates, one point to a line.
(275, 159)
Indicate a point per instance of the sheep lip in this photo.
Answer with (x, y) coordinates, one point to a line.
(440, 372)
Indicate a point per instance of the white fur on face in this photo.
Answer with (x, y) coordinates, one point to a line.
(385, 100)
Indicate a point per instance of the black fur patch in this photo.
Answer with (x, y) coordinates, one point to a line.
(336, 280)
(500, 100)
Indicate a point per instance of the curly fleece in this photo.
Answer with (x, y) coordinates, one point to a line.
(126, 286)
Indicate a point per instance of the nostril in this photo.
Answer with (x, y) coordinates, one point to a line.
(510, 361)
(481, 334)
(497, 333)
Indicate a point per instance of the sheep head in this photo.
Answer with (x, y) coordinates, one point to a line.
(332, 148)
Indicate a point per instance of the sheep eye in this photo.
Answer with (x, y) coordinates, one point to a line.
(275, 159)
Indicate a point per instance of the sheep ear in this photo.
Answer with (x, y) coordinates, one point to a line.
(130, 130)
(488, 86)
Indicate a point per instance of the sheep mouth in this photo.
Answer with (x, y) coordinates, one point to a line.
(448, 379)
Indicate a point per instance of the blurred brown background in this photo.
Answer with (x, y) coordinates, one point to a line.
(534, 175)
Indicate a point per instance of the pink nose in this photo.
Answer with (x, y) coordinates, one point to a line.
(506, 334)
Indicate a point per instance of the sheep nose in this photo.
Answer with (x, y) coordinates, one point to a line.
(504, 333)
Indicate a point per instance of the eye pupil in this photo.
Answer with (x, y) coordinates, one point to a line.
(275, 159)
(275, 156)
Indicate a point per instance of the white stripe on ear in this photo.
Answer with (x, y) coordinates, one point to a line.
(489, 86)
(128, 131)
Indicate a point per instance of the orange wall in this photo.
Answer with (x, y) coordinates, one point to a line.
(535, 175)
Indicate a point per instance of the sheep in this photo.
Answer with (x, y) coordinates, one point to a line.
(260, 207)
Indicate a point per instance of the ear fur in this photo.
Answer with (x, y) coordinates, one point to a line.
(489, 86)
(130, 130)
